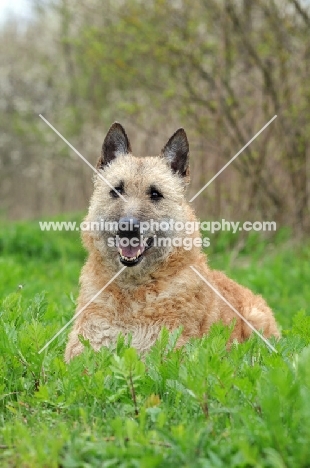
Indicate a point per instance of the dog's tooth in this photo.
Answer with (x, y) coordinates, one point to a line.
(120, 251)
(139, 253)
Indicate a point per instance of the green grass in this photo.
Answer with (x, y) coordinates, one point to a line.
(200, 406)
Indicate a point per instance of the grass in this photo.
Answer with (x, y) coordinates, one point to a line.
(199, 406)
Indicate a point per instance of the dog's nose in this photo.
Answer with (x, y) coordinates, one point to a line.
(128, 227)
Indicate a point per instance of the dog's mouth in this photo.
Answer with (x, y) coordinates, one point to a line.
(132, 255)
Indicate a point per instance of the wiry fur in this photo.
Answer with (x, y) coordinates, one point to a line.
(162, 290)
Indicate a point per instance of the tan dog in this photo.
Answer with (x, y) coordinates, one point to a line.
(158, 288)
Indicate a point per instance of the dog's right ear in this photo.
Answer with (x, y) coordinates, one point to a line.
(176, 153)
(115, 144)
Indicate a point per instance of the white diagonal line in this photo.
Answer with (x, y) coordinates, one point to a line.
(232, 159)
(81, 310)
(235, 310)
(82, 157)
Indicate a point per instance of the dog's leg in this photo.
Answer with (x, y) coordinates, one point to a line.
(74, 346)
(93, 326)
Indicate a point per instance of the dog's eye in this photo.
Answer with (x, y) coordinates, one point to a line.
(155, 194)
(120, 190)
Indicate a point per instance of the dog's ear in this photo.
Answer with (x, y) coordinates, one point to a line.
(176, 153)
(116, 143)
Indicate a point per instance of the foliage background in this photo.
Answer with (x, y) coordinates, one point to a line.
(220, 69)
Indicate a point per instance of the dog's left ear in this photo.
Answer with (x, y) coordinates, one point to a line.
(116, 143)
(176, 153)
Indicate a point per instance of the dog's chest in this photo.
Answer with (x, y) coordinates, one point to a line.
(104, 333)
(141, 316)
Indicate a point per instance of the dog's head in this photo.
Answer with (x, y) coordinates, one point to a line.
(139, 202)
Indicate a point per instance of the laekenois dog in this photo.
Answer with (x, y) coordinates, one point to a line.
(143, 221)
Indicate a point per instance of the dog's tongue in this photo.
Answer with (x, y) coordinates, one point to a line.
(131, 251)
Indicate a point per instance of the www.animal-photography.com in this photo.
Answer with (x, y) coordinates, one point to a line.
(154, 234)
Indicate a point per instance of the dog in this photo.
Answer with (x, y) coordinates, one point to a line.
(137, 200)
